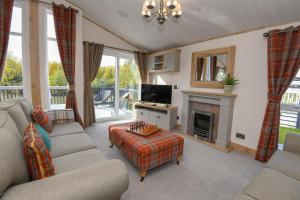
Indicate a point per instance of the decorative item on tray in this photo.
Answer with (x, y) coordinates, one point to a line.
(142, 128)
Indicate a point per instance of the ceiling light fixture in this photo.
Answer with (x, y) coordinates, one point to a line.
(166, 8)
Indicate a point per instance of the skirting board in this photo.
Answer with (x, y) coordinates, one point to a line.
(233, 146)
(243, 149)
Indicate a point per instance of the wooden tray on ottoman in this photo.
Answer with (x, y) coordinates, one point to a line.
(143, 129)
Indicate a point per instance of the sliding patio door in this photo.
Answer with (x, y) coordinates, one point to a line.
(116, 87)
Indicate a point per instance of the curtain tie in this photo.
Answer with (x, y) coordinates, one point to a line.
(87, 85)
(71, 87)
(274, 99)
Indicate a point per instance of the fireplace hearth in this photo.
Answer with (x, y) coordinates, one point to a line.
(203, 125)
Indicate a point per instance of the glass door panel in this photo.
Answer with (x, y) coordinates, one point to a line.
(128, 85)
(104, 88)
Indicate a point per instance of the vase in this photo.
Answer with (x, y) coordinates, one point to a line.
(228, 89)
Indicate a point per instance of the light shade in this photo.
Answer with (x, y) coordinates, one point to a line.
(146, 13)
(171, 4)
(177, 12)
(150, 4)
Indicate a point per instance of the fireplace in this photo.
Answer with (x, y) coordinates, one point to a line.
(203, 123)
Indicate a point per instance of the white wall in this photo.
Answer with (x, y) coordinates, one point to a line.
(94, 33)
(250, 69)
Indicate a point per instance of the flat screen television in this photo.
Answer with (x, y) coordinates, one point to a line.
(157, 93)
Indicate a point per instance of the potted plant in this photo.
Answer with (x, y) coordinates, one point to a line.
(228, 83)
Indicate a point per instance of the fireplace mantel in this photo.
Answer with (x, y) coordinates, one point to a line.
(226, 103)
(213, 94)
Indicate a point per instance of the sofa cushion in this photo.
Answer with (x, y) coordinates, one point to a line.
(12, 161)
(77, 160)
(286, 163)
(26, 106)
(273, 185)
(66, 144)
(16, 113)
(41, 118)
(38, 158)
(7, 122)
(243, 197)
(292, 143)
(44, 135)
(66, 129)
(61, 116)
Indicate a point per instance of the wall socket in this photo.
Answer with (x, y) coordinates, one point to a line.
(240, 135)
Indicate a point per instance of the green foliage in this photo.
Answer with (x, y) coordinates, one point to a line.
(56, 74)
(230, 80)
(128, 77)
(12, 74)
(283, 131)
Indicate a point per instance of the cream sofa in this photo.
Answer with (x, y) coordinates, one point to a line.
(280, 180)
(82, 172)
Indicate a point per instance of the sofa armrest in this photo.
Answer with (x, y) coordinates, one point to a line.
(292, 143)
(60, 116)
(107, 180)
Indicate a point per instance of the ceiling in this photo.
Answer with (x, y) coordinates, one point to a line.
(201, 19)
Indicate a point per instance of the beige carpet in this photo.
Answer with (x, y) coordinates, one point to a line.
(204, 173)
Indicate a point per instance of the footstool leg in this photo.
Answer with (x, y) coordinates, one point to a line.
(111, 145)
(143, 175)
(178, 160)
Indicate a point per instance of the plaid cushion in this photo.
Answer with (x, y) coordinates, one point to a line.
(39, 161)
(61, 116)
(41, 118)
(147, 152)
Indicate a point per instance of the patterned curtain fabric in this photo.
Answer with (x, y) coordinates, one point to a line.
(283, 65)
(200, 62)
(65, 28)
(92, 58)
(213, 68)
(6, 8)
(140, 60)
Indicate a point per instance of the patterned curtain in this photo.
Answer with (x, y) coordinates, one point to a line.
(199, 68)
(140, 60)
(92, 59)
(6, 8)
(65, 28)
(283, 65)
(213, 68)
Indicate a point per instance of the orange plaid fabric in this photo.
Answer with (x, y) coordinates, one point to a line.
(39, 160)
(41, 118)
(147, 152)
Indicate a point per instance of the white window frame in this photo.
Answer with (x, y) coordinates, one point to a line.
(26, 78)
(46, 95)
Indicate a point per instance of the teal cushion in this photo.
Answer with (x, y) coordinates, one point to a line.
(43, 133)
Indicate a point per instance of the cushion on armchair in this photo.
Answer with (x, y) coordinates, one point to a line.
(41, 118)
(38, 158)
(61, 116)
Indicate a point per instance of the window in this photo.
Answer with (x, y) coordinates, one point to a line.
(12, 82)
(290, 110)
(57, 82)
(116, 86)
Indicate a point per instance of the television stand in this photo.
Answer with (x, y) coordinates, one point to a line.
(162, 115)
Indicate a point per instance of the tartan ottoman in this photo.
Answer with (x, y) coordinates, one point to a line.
(146, 152)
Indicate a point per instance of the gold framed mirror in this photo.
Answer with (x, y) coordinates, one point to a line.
(212, 66)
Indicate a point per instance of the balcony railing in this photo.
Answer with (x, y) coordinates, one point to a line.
(58, 94)
(290, 108)
(10, 92)
(102, 96)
